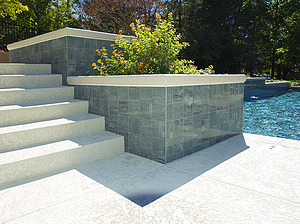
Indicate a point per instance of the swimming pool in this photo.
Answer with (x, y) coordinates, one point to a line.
(275, 116)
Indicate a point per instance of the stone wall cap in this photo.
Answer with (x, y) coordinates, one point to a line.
(72, 32)
(157, 79)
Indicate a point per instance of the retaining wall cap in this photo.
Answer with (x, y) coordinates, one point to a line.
(63, 33)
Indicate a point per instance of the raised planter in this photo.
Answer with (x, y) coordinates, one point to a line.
(70, 51)
(166, 117)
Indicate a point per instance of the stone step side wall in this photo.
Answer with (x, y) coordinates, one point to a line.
(168, 122)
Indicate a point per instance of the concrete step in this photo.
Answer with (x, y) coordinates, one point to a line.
(34, 134)
(29, 81)
(22, 114)
(13, 96)
(20, 165)
(19, 68)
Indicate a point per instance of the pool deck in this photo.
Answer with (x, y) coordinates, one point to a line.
(245, 179)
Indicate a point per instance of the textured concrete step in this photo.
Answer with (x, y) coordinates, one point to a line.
(34, 134)
(22, 114)
(29, 81)
(35, 95)
(19, 68)
(20, 165)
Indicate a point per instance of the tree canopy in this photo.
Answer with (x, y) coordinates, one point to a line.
(237, 36)
(11, 8)
(114, 15)
(249, 36)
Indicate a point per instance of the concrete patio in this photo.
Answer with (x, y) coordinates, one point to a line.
(245, 179)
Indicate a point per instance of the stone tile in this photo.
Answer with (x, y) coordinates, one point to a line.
(146, 94)
(145, 110)
(103, 108)
(158, 112)
(188, 110)
(177, 111)
(159, 94)
(113, 92)
(169, 95)
(96, 92)
(113, 107)
(112, 123)
(169, 112)
(134, 142)
(158, 130)
(145, 127)
(123, 108)
(133, 125)
(146, 146)
(123, 124)
(178, 94)
(75, 42)
(124, 93)
(104, 92)
(159, 148)
(206, 159)
(134, 93)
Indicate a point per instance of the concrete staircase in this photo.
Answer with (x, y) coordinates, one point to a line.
(43, 129)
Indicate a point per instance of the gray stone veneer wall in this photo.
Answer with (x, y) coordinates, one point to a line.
(69, 56)
(169, 122)
(257, 88)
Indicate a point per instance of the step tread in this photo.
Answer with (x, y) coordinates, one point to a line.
(33, 88)
(38, 105)
(27, 75)
(48, 123)
(54, 147)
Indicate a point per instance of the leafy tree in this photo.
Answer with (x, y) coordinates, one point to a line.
(114, 15)
(241, 35)
(208, 26)
(11, 8)
(49, 15)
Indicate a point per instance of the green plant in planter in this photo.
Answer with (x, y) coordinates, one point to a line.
(149, 51)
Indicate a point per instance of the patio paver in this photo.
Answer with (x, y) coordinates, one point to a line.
(245, 179)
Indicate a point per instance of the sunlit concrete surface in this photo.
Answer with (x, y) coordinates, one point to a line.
(245, 179)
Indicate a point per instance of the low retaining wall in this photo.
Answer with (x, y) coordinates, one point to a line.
(164, 121)
(256, 88)
(70, 51)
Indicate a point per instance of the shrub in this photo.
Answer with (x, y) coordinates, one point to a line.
(149, 51)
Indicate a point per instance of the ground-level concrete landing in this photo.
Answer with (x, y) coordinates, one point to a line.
(245, 179)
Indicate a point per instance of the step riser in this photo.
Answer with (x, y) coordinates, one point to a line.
(27, 115)
(37, 136)
(11, 69)
(36, 95)
(23, 81)
(17, 172)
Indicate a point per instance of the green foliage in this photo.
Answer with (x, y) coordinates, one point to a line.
(150, 51)
(48, 15)
(11, 8)
(249, 36)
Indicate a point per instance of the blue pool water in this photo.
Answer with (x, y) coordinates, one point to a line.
(276, 116)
